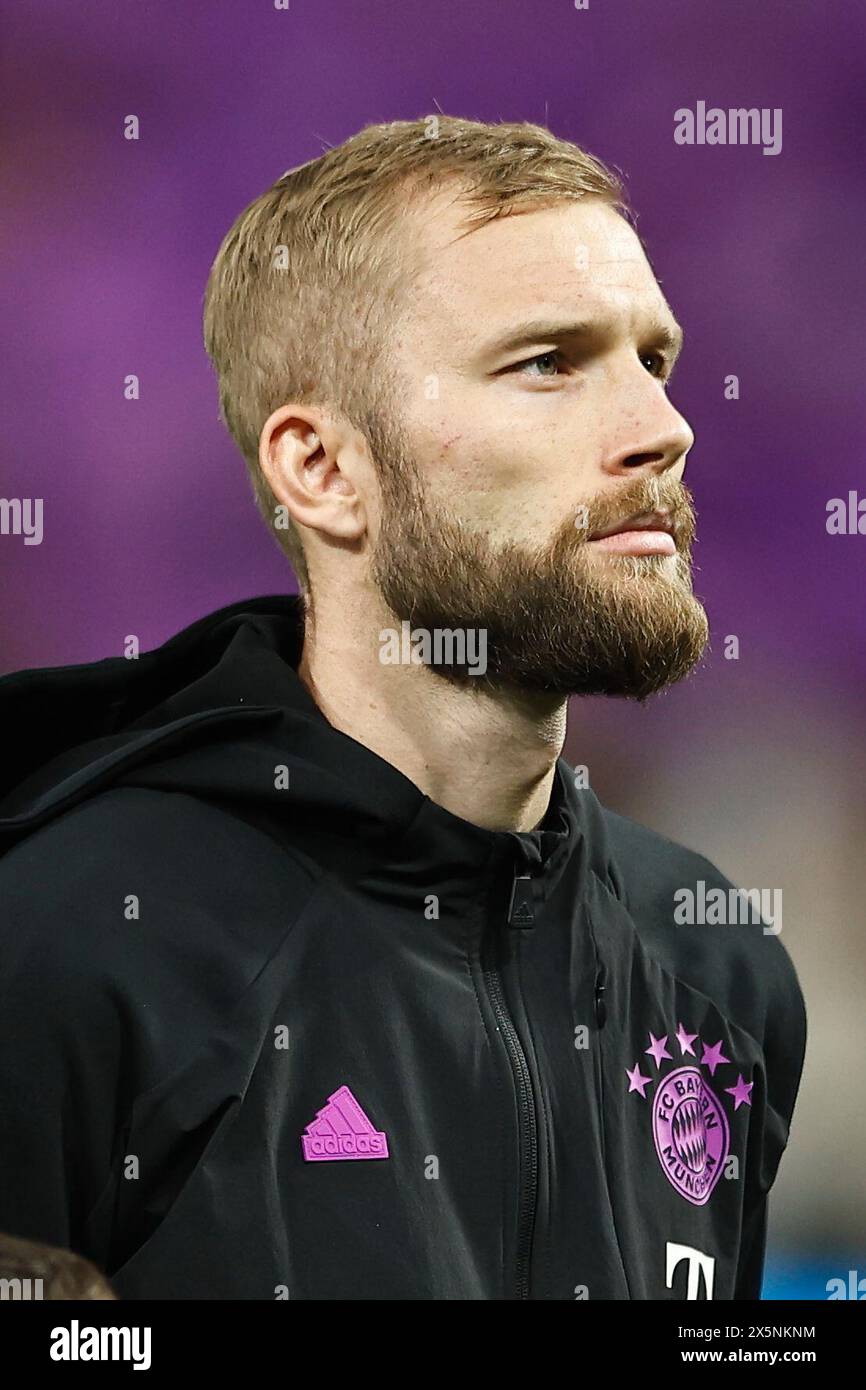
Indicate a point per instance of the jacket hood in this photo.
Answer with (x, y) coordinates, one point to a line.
(219, 712)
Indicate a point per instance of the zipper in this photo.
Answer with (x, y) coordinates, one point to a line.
(520, 917)
(600, 1020)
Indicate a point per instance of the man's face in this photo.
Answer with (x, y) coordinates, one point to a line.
(534, 352)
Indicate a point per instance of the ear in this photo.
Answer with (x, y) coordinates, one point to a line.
(310, 462)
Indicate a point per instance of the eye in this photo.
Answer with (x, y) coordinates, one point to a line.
(659, 367)
(553, 358)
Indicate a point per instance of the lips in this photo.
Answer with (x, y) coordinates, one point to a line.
(639, 521)
(644, 533)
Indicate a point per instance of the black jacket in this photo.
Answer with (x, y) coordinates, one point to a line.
(275, 1024)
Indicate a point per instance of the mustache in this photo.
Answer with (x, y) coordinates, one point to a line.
(644, 495)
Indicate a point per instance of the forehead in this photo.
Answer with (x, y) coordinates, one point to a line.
(577, 257)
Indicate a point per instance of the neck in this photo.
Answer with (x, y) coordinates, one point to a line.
(486, 756)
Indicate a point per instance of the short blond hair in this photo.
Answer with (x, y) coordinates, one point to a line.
(315, 272)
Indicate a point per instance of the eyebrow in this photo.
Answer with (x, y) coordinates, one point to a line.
(661, 334)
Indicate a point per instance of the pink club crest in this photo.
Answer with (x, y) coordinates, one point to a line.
(690, 1126)
(691, 1134)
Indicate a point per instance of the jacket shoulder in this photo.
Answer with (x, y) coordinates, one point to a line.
(180, 843)
(144, 895)
(732, 953)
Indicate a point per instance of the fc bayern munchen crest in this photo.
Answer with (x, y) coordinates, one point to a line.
(691, 1133)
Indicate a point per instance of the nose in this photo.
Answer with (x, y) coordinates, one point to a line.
(655, 441)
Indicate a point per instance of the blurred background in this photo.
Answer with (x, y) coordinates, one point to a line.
(758, 761)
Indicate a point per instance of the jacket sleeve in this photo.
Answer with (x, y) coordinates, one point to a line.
(784, 1052)
(60, 1051)
(97, 1010)
(750, 1267)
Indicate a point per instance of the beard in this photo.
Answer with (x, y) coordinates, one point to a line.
(560, 618)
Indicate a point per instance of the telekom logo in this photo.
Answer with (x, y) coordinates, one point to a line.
(698, 1264)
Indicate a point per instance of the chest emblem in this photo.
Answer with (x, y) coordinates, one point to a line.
(342, 1130)
(689, 1122)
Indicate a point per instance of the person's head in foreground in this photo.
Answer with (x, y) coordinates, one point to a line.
(445, 356)
(30, 1270)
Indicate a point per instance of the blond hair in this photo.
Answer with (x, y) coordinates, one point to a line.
(315, 272)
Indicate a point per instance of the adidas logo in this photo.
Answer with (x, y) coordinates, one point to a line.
(342, 1130)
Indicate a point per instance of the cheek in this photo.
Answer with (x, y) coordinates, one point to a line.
(518, 478)
(507, 487)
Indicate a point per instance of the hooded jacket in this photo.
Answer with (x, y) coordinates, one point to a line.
(274, 1024)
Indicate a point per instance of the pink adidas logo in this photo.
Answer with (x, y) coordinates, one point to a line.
(342, 1130)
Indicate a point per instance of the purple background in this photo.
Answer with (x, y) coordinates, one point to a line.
(149, 521)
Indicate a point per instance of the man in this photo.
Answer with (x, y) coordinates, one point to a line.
(323, 974)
